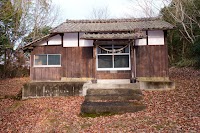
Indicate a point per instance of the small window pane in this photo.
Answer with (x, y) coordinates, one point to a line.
(121, 49)
(105, 61)
(121, 61)
(40, 59)
(102, 51)
(126, 50)
(53, 59)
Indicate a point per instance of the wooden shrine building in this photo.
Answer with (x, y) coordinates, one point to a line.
(125, 49)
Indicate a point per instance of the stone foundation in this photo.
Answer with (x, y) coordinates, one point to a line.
(51, 89)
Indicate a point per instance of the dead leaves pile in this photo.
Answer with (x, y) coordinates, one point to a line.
(10, 87)
(167, 111)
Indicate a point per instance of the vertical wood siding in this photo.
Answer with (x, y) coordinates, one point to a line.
(79, 62)
(76, 62)
(45, 73)
(110, 75)
(152, 61)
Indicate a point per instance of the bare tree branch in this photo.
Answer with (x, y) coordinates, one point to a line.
(179, 13)
(100, 13)
(146, 8)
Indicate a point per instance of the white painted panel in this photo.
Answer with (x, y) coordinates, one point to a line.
(141, 42)
(70, 40)
(85, 43)
(81, 41)
(55, 40)
(42, 43)
(156, 37)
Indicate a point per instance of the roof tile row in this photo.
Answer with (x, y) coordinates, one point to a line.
(111, 25)
(111, 36)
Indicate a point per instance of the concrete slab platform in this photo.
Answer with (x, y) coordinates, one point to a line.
(157, 85)
(90, 85)
(110, 107)
(113, 81)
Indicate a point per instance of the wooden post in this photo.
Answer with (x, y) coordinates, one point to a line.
(61, 35)
(133, 61)
(78, 39)
(94, 61)
(147, 34)
(63, 58)
(166, 55)
(31, 65)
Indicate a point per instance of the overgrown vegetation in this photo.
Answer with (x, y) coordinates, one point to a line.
(184, 41)
(16, 67)
(22, 21)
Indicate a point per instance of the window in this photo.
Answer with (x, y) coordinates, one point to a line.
(47, 60)
(113, 57)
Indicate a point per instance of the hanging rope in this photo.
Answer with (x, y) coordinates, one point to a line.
(113, 50)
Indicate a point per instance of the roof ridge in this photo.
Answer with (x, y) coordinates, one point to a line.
(112, 25)
(135, 31)
(112, 20)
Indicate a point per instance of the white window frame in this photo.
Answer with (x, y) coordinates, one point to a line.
(47, 61)
(113, 69)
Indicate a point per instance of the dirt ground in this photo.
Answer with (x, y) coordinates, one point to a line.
(167, 111)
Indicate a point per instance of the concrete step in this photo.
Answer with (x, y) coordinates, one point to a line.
(157, 85)
(111, 107)
(93, 98)
(117, 92)
(87, 86)
(112, 100)
(113, 86)
(113, 81)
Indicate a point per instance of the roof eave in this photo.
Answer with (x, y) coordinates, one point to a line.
(89, 31)
(30, 45)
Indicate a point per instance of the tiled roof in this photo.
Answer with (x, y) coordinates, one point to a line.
(108, 28)
(111, 25)
(102, 36)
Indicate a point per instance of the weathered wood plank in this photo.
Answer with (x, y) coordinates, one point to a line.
(63, 72)
(66, 63)
(70, 70)
(118, 75)
(76, 62)
(79, 62)
(152, 61)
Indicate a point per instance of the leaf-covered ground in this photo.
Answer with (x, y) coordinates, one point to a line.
(167, 111)
(11, 87)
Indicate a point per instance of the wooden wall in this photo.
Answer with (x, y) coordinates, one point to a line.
(152, 61)
(113, 74)
(79, 62)
(76, 62)
(45, 73)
